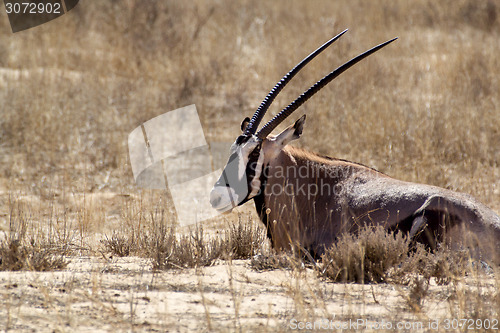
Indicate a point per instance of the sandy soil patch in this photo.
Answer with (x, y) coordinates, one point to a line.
(124, 294)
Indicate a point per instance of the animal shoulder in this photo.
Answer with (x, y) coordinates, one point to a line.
(303, 155)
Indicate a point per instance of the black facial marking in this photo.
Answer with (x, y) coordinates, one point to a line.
(253, 159)
(242, 139)
(260, 203)
(251, 169)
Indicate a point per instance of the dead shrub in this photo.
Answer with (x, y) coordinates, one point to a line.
(365, 257)
(419, 290)
(239, 241)
(376, 255)
(168, 249)
(24, 249)
(274, 261)
(156, 238)
(16, 255)
(446, 264)
(118, 245)
(244, 239)
(186, 251)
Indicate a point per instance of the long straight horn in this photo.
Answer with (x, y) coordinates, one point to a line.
(264, 106)
(273, 123)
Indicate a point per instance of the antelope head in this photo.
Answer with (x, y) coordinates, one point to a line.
(244, 175)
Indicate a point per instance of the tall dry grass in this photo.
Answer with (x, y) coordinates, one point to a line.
(424, 109)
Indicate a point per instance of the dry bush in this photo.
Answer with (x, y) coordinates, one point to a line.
(156, 238)
(419, 291)
(239, 241)
(196, 249)
(447, 265)
(118, 245)
(244, 239)
(365, 257)
(424, 109)
(376, 255)
(17, 255)
(168, 249)
(274, 260)
(22, 248)
(187, 251)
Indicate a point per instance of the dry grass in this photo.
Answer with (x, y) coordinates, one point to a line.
(170, 249)
(18, 256)
(366, 257)
(272, 261)
(425, 109)
(375, 255)
(23, 249)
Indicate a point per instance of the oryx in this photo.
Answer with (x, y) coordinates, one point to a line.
(308, 200)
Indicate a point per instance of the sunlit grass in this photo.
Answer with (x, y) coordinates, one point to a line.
(424, 109)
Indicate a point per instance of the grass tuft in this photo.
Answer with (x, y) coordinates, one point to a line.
(376, 255)
(366, 257)
(244, 239)
(17, 255)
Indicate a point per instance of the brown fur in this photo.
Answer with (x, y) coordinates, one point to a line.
(355, 195)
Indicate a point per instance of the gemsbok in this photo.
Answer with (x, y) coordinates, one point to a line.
(308, 200)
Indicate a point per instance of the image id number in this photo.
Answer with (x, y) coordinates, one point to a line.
(33, 8)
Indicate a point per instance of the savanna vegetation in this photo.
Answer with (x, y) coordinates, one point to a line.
(81, 247)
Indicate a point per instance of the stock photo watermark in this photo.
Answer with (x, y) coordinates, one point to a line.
(170, 151)
(26, 14)
(325, 324)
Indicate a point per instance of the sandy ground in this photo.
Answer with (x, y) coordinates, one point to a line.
(105, 294)
(123, 294)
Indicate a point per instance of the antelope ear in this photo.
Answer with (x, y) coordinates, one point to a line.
(244, 124)
(293, 132)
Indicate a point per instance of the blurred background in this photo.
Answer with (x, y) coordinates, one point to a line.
(424, 109)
